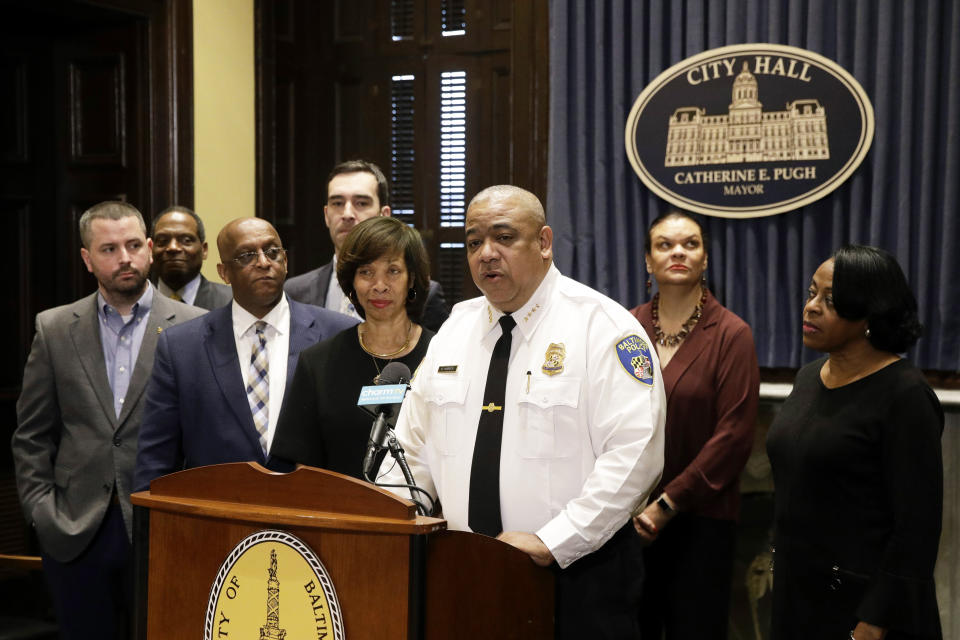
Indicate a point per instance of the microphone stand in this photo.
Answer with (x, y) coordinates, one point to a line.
(397, 452)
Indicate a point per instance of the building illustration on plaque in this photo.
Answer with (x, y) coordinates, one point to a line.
(747, 133)
(271, 630)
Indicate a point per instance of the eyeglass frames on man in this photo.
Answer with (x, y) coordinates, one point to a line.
(273, 254)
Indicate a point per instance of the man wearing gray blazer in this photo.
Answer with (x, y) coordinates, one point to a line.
(78, 418)
(179, 249)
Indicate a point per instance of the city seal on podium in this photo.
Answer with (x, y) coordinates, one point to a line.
(245, 597)
(749, 130)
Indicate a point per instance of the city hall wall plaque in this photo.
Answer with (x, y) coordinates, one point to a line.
(749, 130)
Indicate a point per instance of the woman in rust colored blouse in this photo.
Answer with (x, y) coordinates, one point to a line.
(712, 384)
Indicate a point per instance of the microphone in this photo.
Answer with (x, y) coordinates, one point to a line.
(395, 374)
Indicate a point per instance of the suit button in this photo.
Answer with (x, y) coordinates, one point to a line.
(117, 442)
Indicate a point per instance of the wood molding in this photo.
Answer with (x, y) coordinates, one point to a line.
(169, 27)
(30, 563)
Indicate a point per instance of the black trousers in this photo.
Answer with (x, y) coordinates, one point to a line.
(689, 570)
(93, 593)
(597, 596)
(811, 601)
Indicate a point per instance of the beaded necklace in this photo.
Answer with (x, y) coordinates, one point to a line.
(675, 339)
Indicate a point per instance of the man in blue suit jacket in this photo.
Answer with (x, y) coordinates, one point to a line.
(218, 383)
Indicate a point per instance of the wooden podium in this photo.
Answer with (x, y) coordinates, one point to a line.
(396, 574)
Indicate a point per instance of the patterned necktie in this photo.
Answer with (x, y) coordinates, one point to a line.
(346, 307)
(258, 384)
(484, 510)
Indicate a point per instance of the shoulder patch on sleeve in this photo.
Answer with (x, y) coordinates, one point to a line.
(634, 354)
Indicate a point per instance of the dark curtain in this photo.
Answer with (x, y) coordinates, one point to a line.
(904, 197)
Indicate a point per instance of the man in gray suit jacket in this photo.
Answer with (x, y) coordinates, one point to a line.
(356, 190)
(179, 249)
(78, 418)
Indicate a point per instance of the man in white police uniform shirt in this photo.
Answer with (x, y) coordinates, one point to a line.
(581, 417)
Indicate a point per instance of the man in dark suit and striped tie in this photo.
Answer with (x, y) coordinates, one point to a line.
(218, 384)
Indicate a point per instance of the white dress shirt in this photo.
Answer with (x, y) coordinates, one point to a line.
(336, 299)
(278, 350)
(187, 293)
(582, 443)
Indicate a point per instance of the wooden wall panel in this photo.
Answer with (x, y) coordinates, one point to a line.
(343, 108)
(286, 157)
(96, 110)
(350, 21)
(97, 103)
(13, 111)
(501, 13)
(15, 214)
(284, 15)
(502, 126)
(530, 98)
(348, 93)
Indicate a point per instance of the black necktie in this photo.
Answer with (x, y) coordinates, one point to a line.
(484, 516)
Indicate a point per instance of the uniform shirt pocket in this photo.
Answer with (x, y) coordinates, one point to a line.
(446, 399)
(549, 427)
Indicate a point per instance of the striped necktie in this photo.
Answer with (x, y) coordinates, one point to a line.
(258, 384)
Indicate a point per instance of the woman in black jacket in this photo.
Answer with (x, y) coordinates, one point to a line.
(857, 466)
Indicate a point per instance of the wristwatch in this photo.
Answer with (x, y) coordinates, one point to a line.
(663, 504)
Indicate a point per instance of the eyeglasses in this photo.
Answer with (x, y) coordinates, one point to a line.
(273, 254)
